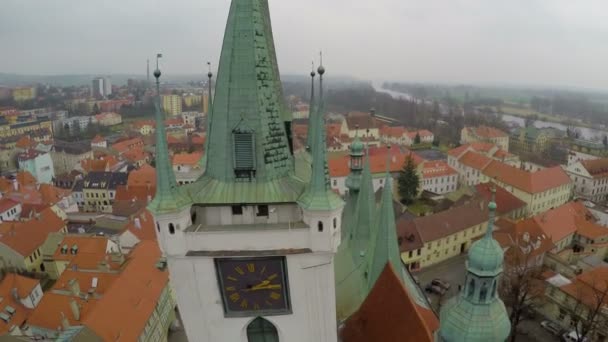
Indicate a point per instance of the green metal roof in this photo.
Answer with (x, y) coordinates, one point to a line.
(464, 321)
(248, 97)
(351, 288)
(385, 247)
(168, 197)
(486, 256)
(364, 213)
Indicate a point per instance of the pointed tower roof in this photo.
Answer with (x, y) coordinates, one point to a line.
(318, 194)
(168, 196)
(364, 213)
(248, 157)
(248, 97)
(385, 247)
(477, 313)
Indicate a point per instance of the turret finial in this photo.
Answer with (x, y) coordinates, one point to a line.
(157, 71)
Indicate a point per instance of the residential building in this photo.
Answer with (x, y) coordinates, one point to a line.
(438, 177)
(101, 87)
(426, 137)
(144, 127)
(108, 119)
(99, 190)
(39, 164)
(20, 241)
(590, 178)
(190, 118)
(470, 166)
(40, 129)
(525, 243)
(20, 295)
(123, 146)
(100, 295)
(431, 239)
(187, 167)
(67, 155)
(77, 124)
(24, 94)
(9, 210)
(487, 149)
(486, 134)
(140, 228)
(541, 190)
(394, 135)
(191, 100)
(107, 163)
(531, 139)
(572, 302)
(172, 104)
(62, 250)
(576, 156)
(99, 142)
(339, 167)
(361, 125)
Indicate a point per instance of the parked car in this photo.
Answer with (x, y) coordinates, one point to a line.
(434, 289)
(443, 284)
(572, 336)
(551, 327)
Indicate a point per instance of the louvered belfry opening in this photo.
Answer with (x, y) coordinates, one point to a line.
(244, 154)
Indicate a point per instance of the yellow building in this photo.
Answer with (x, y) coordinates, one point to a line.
(21, 242)
(172, 104)
(531, 139)
(541, 190)
(492, 135)
(427, 240)
(24, 94)
(205, 102)
(191, 100)
(99, 190)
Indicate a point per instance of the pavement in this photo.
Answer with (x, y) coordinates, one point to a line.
(177, 334)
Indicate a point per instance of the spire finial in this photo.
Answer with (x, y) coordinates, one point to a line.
(492, 213)
(321, 69)
(157, 71)
(388, 159)
(209, 74)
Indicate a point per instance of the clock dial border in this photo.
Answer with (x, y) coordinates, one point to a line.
(251, 313)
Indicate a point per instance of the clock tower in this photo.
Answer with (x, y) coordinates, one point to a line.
(251, 251)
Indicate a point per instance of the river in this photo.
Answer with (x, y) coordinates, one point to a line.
(586, 133)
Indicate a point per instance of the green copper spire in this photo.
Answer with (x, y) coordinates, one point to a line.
(477, 313)
(318, 195)
(385, 248)
(364, 215)
(247, 138)
(168, 196)
(311, 110)
(203, 160)
(353, 180)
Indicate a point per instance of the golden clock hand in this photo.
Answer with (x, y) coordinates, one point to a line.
(267, 287)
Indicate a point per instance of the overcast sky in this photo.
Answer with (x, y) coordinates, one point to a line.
(542, 42)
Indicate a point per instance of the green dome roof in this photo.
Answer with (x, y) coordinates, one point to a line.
(463, 321)
(485, 256)
(357, 147)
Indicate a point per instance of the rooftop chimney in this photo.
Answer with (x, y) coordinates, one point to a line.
(15, 184)
(75, 309)
(65, 324)
(74, 287)
(137, 223)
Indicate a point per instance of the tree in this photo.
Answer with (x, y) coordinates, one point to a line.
(408, 182)
(605, 141)
(417, 139)
(436, 141)
(521, 287)
(587, 305)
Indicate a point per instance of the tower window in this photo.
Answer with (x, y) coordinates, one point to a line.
(483, 293)
(158, 227)
(244, 153)
(262, 210)
(471, 288)
(237, 210)
(171, 229)
(335, 223)
(320, 226)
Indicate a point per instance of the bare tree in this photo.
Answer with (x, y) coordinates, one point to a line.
(521, 287)
(587, 304)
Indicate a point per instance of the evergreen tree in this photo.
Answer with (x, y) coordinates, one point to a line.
(417, 139)
(408, 182)
(605, 141)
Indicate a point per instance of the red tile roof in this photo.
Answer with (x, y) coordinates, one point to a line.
(562, 221)
(395, 132)
(24, 287)
(128, 144)
(134, 192)
(475, 160)
(145, 231)
(487, 132)
(597, 168)
(136, 154)
(6, 204)
(339, 167)
(145, 175)
(98, 139)
(187, 158)
(522, 234)
(388, 314)
(589, 286)
(437, 168)
(530, 182)
(26, 237)
(134, 294)
(506, 201)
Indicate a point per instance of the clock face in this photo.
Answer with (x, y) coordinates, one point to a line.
(253, 286)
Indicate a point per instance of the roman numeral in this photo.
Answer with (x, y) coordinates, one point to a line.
(244, 304)
(268, 303)
(235, 297)
(263, 270)
(239, 270)
(273, 276)
(231, 288)
(275, 295)
(231, 278)
(251, 268)
(256, 306)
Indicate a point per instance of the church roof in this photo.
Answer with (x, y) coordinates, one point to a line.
(364, 213)
(387, 314)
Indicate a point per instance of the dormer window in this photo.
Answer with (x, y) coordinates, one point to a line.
(244, 153)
